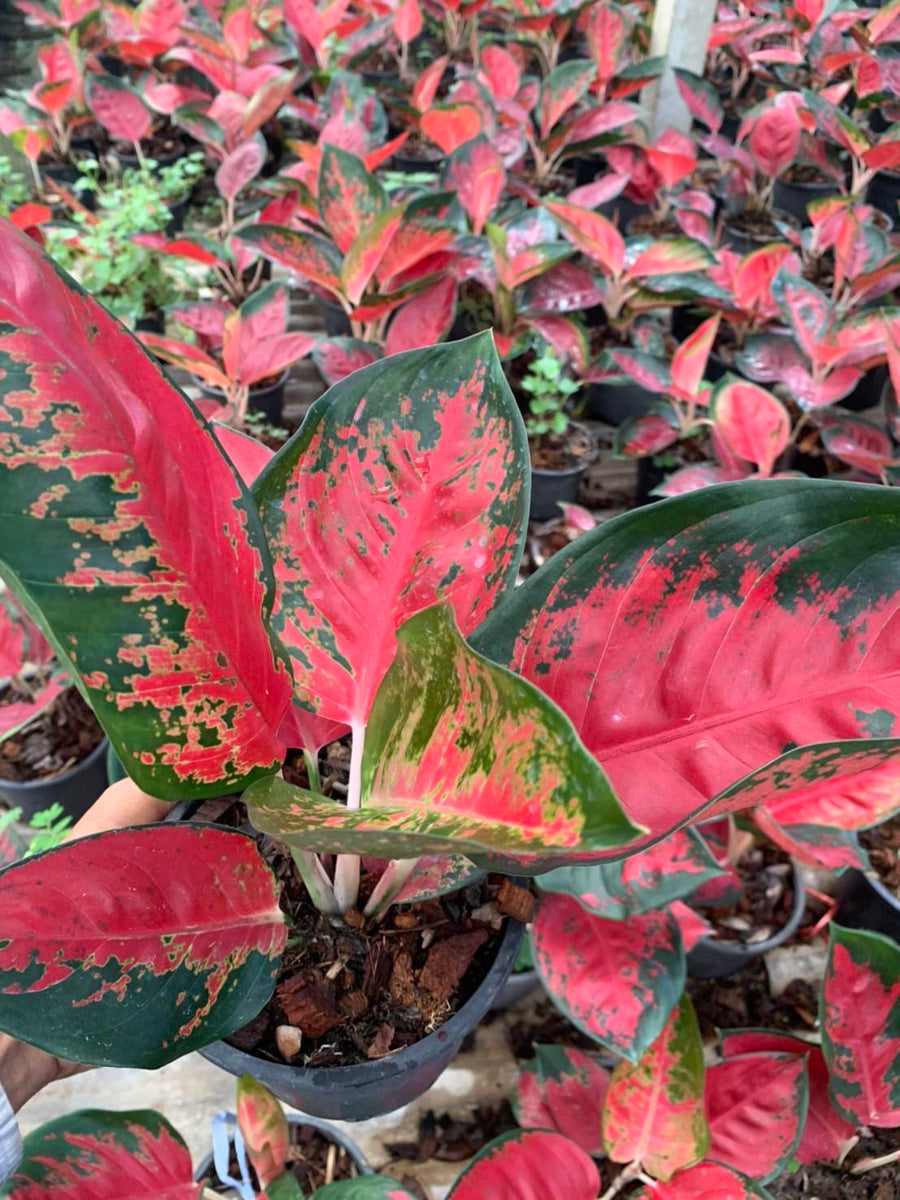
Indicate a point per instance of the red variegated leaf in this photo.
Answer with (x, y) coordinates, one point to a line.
(775, 140)
(618, 981)
(753, 422)
(644, 436)
(408, 21)
(647, 370)
(654, 1107)
(362, 259)
(14, 716)
(457, 464)
(706, 1181)
(264, 1129)
(450, 126)
(691, 479)
(596, 122)
(561, 90)
(567, 337)
(673, 156)
(119, 108)
(427, 84)
(857, 442)
(694, 696)
(245, 453)
(826, 1135)
(96, 1155)
(606, 37)
(563, 1089)
(805, 308)
(502, 72)
(691, 924)
(756, 1108)
(701, 98)
(435, 875)
(520, 1163)
(671, 256)
(815, 845)
(191, 704)
(138, 976)
(338, 357)
(310, 255)
(476, 174)
(187, 355)
(460, 756)
(241, 166)
(424, 320)
(592, 234)
(690, 359)
(860, 1019)
(350, 197)
(854, 802)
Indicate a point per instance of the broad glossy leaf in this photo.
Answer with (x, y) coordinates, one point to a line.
(241, 166)
(264, 1129)
(756, 1108)
(860, 1018)
(338, 357)
(592, 233)
(642, 437)
(826, 1134)
(97, 1155)
(807, 310)
(678, 640)
(451, 125)
(857, 442)
(312, 257)
(815, 845)
(669, 256)
(690, 359)
(563, 1089)
(476, 174)
(654, 1107)
(350, 197)
(706, 1181)
(775, 140)
(701, 98)
(650, 879)
(369, 247)
(406, 480)
(501, 70)
(856, 801)
(100, 459)
(691, 479)
(646, 370)
(245, 453)
(618, 981)
(460, 755)
(96, 971)
(519, 1164)
(561, 90)
(119, 108)
(424, 320)
(753, 422)
(672, 156)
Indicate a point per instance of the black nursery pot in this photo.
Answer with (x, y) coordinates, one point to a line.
(793, 197)
(75, 790)
(711, 958)
(68, 175)
(868, 392)
(415, 166)
(548, 488)
(884, 192)
(863, 902)
(267, 401)
(617, 402)
(330, 1132)
(337, 323)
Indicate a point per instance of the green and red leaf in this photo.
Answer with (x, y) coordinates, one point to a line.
(706, 1181)
(368, 249)
(670, 256)
(338, 357)
(264, 1128)
(309, 254)
(476, 174)
(856, 441)
(592, 233)
(654, 1107)
(165, 623)
(642, 437)
(460, 756)
(451, 125)
(406, 479)
(563, 1089)
(854, 801)
(241, 166)
(520, 1164)
(754, 423)
(702, 99)
(642, 629)
(690, 359)
(119, 108)
(350, 197)
(99, 970)
(424, 320)
(775, 139)
(364, 1187)
(97, 1155)
(860, 1019)
(756, 1108)
(561, 90)
(618, 981)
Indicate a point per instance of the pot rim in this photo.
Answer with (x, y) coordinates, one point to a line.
(328, 1128)
(871, 880)
(255, 390)
(741, 952)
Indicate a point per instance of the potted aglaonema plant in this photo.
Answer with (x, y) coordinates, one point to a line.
(561, 449)
(52, 749)
(227, 626)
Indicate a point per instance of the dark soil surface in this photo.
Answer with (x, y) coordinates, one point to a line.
(767, 900)
(820, 1182)
(806, 173)
(742, 1000)
(454, 1139)
(647, 225)
(53, 743)
(312, 1158)
(575, 448)
(883, 846)
(162, 144)
(755, 225)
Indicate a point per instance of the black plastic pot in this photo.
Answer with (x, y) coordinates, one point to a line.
(793, 197)
(329, 1131)
(152, 323)
(548, 488)
(518, 987)
(68, 175)
(616, 402)
(884, 193)
(741, 243)
(130, 162)
(863, 902)
(177, 213)
(75, 790)
(337, 323)
(711, 958)
(891, 410)
(415, 166)
(868, 392)
(267, 401)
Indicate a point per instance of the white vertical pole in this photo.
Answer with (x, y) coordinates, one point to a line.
(680, 33)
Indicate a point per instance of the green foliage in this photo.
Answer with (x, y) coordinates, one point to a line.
(13, 187)
(549, 389)
(132, 281)
(50, 826)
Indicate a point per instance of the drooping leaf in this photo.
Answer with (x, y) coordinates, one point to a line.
(756, 1108)
(416, 466)
(167, 631)
(563, 1089)
(706, 1181)
(855, 801)
(860, 1019)
(313, 257)
(618, 981)
(671, 869)
(816, 845)
(642, 628)
(97, 1155)
(424, 320)
(119, 108)
(857, 442)
(753, 422)
(99, 972)
(338, 357)
(263, 1127)
(520, 1163)
(654, 1107)
(826, 1134)
(460, 756)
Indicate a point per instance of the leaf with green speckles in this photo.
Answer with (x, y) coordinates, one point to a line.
(654, 1108)
(725, 645)
(461, 756)
(407, 484)
(350, 197)
(126, 529)
(131, 948)
(97, 1155)
(860, 1018)
(756, 1107)
(528, 1163)
(563, 1089)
